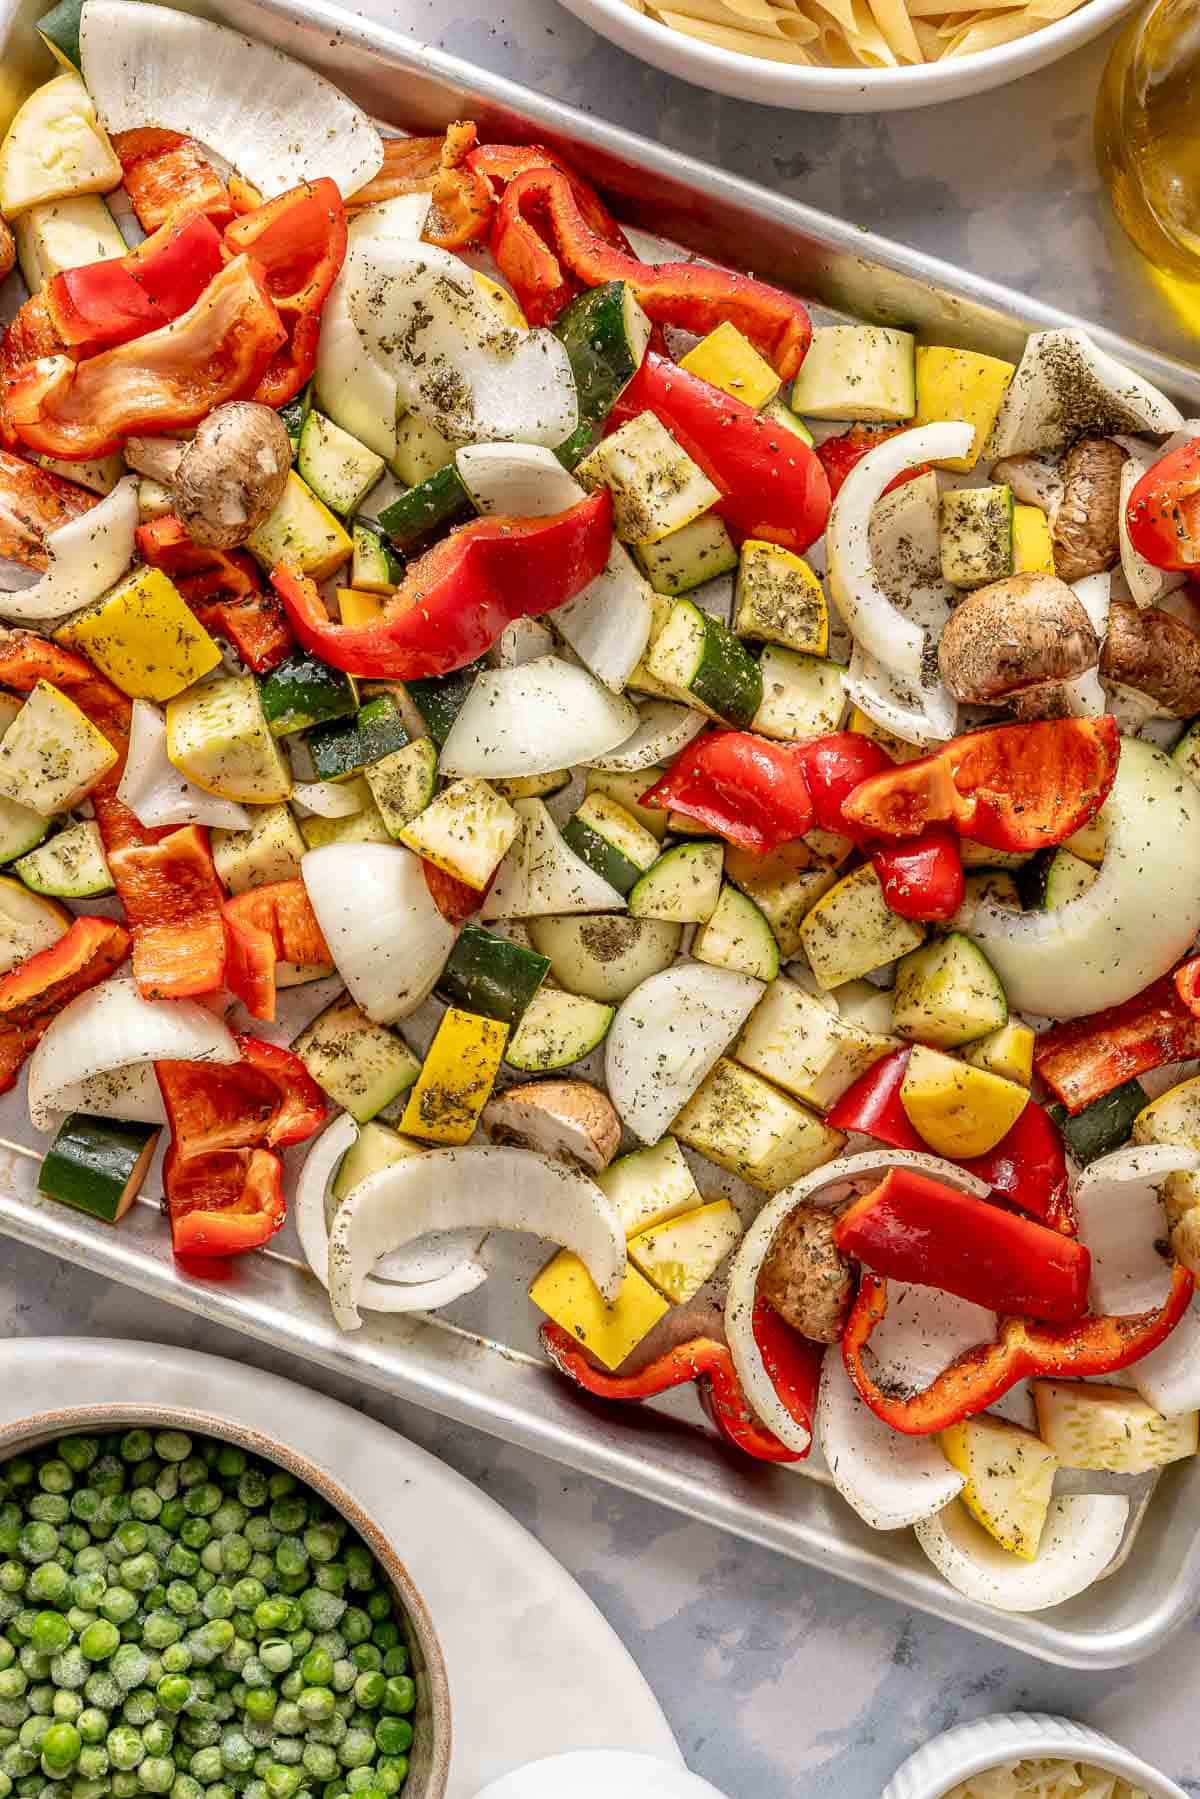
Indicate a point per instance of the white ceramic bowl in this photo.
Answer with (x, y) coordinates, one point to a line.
(970, 1748)
(840, 90)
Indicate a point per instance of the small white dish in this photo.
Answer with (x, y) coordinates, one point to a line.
(840, 90)
(599, 1774)
(1016, 1736)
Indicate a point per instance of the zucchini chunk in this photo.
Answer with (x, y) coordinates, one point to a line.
(466, 830)
(304, 691)
(64, 234)
(699, 660)
(948, 994)
(851, 930)
(627, 791)
(556, 1030)
(340, 471)
(28, 923)
(611, 841)
(655, 485)
(650, 1185)
(302, 531)
(792, 1039)
(743, 1124)
(802, 696)
(1109, 1429)
(738, 936)
(421, 450)
(361, 1066)
(785, 885)
(97, 1165)
(686, 559)
(376, 1146)
(492, 976)
(855, 372)
(269, 851)
(683, 886)
(373, 568)
(344, 747)
(1104, 1125)
(440, 698)
(605, 957)
(403, 784)
(432, 506)
(71, 866)
(605, 333)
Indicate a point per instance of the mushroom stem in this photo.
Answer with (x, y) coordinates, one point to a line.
(156, 457)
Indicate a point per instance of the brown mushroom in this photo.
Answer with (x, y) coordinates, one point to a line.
(226, 479)
(1034, 481)
(1019, 638)
(1086, 527)
(1156, 654)
(805, 1276)
(569, 1120)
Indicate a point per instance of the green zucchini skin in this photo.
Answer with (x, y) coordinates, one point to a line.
(439, 698)
(304, 691)
(297, 410)
(60, 27)
(728, 679)
(375, 564)
(601, 855)
(345, 746)
(594, 329)
(489, 975)
(97, 1164)
(1104, 1125)
(431, 506)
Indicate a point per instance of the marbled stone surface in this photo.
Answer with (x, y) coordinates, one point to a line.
(777, 1680)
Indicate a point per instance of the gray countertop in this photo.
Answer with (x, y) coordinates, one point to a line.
(776, 1679)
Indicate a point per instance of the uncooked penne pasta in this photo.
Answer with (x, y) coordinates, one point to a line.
(747, 43)
(769, 23)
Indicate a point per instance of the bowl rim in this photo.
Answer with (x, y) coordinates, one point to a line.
(41, 1427)
(972, 1748)
(1035, 50)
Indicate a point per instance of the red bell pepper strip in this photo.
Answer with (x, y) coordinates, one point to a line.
(838, 455)
(1010, 787)
(544, 242)
(1187, 984)
(33, 993)
(750, 790)
(911, 1228)
(168, 380)
(224, 590)
(501, 163)
(224, 1204)
(452, 897)
(1084, 1058)
(834, 766)
(457, 598)
(1026, 1169)
(269, 924)
(165, 172)
(463, 201)
(1163, 511)
(922, 879)
(981, 1376)
(299, 239)
(172, 898)
(34, 502)
(772, 486)
(106, 303)
(793, 1363)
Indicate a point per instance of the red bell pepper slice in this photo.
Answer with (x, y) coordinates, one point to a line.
(1010, 787)
(1082, 1059)
(269, 924)
(793, 1363)
(463, 201)
(30, 336)
(452, 897)
(106, 303)
(544, 243)
(501, 163)
(981, 1376)
(838, 455)
(164, 173)
(33, 993)
(834, 766)
(1187, 984)
(224, 590)
(911, 1228)
(224, 1204)
(299, 239)
(872, 1105)
(922, 879)
(772, 486)
(168, 380)
(1163, 511)
(750, 790)
(34, 502)
(457, 598)
(172, 898)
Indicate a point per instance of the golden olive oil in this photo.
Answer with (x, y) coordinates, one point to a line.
(1148, 134)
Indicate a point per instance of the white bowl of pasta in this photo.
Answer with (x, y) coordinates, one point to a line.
(1027, 1755)
(849, 55)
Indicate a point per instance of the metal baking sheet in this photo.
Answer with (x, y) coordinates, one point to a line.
(479, 1365)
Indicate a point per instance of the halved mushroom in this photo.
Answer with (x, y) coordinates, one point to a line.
(569, 1120)
(226, 479)
(1017, 640)
(1086, 525)
(1156, 654)
(805, 1276)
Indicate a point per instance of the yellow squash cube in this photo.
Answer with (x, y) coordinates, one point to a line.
(51, 754)
(301, 532)
(960, 385)
(456, 1078)
(680, 1254)
(1033, 544)
(358, 608)
(729, 361)
(1007, 1051)
(960, 1111)
(852, 930)
(144, 637)
(1009, 1478)
(742, 1123)
(566, 1292)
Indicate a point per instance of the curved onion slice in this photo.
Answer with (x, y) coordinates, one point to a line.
(110, 1031)
(155, 791)
(1169, 1377)
(917, 715)
(387, 938)
(87, 556)
(278, 123)
(747, 1263)
(456, 366)
(1121, 1222)
(890, 1480)
(329, 799)
(875, 622)
(1083, 1533)
(450, 1269)
(480, 1189)
(662, 730)
(666, 1037)
(1135, 920)
(543, 715)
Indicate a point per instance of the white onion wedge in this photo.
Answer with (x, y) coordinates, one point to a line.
(747, 1263)
(479, 1189)
(890, 1480)
(443, 1269)
(87, 556)
(155, 791)
(541, 876)
(1083, 1533)
(661, 731)
(923, 716)
(1169, 1377)
(329, 799)
(543, 715)
(1066, 386)
(1121, 1222)
(896, 642)
(1135, 921)
(112, 1033)
(387, 938)
(666, 1037)
(276, 121)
